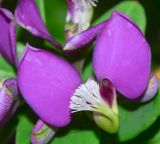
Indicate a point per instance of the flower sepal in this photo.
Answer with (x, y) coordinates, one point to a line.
(109, 124)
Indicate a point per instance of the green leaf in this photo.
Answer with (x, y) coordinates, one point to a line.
(6, 69)
(7, 132)
(136, 118)
(132, 8)
(155, 139)
(20, 49)
(81, 131)
(87, 70)
(41, 6)
(24, 130)
(55, 18)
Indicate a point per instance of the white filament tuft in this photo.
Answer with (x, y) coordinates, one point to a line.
(86, 3)
(87, 97)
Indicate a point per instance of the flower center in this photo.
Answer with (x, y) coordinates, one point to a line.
(87, 97)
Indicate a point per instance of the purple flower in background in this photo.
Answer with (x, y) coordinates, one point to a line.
(9, 94)
(54, 89)
(9, 90)
(8, 36)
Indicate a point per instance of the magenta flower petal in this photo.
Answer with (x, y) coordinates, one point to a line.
(28, 16)
(123, 56)
(82, 39)
(8, 36)
(8, 100)
(47, 82)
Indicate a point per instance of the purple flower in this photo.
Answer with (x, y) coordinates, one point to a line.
(51, 82)
(118, 40)
(8, 36)
(28, 16)
(8, 90)
(122, 55)
(121, 61)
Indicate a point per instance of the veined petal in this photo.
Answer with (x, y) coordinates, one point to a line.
(123, 56)
(82, 39)
(8, 100)
(42, 133)
(28, 16)
(47, 82)
(8, 36)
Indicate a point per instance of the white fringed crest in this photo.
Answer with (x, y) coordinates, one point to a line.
(86, 3)
(87, 97)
